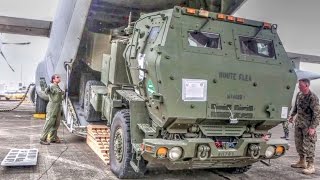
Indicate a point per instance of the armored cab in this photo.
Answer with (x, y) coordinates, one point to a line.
(189, 88)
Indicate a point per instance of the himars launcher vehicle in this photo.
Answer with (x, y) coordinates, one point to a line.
(185, 87)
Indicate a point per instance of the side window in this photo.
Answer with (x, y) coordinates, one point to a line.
(257, 47)
(153, 34)
(204, 39)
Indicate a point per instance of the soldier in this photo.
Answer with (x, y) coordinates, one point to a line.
(308, 116)
(53, 113)
(285, 126)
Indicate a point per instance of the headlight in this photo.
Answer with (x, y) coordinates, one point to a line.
(270, 151)
(175, 153)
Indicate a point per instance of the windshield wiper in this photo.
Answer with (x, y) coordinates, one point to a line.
(258, 32)
(204, 24)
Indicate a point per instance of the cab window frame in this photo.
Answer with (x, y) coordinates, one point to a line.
(217, 44)
(245, 31)
(202, 50)
(153, 34)
(253, 50)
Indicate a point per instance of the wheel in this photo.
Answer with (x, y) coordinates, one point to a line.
(90, 115)
(121, 148)
(32, 95)
(41, 105)
(238, 170)
(85, 77)
(7, 98)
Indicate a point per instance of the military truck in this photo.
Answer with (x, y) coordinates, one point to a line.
(187, 88)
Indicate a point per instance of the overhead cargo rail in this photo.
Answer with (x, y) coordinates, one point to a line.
(24, 26)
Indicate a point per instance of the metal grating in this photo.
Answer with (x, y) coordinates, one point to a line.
(21, 157)
(222, 130)
(221, 107)
(243, 108)
(239, 111)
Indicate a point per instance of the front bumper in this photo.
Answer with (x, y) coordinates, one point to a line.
(238, 156)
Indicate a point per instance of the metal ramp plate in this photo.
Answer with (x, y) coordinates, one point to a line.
(21, 157)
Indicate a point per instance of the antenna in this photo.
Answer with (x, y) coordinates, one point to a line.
(129, 30)
(130, 19)
(21, 73)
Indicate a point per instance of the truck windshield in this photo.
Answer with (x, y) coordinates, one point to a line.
(258, 47)
(204, 39)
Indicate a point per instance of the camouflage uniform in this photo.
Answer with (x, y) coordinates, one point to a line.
(53, 113)
(308, 110)
(285, 126)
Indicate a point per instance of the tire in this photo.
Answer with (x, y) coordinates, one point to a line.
(41, 105)
(85, 77)
(120, 165)
(32, 95)
(90, 115)
(238, 170)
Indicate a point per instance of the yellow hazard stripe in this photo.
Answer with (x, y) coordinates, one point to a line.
(39, 116)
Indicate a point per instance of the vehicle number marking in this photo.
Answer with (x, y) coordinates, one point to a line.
(226, 153)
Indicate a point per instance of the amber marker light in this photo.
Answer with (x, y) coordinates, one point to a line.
(149, 149)
(240, 20)
(231, 18)
(191, 11)
(266, 25)
(162, 152)
(221, 16)
(279, 150)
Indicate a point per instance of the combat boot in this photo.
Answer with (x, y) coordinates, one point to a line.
(310, 169)
(286, 136)
(300, 164)
(44, 142)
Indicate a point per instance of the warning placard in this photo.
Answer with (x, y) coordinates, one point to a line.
(194, 90)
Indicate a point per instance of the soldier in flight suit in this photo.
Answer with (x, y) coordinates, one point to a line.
(308, 116)
(53, 113)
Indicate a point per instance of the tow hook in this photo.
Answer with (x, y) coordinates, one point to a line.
(203, 152)
(254, 151)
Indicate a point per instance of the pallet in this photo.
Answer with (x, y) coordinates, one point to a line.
(98, 141)
(97, 127)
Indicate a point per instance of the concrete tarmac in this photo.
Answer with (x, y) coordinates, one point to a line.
(18, 129)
